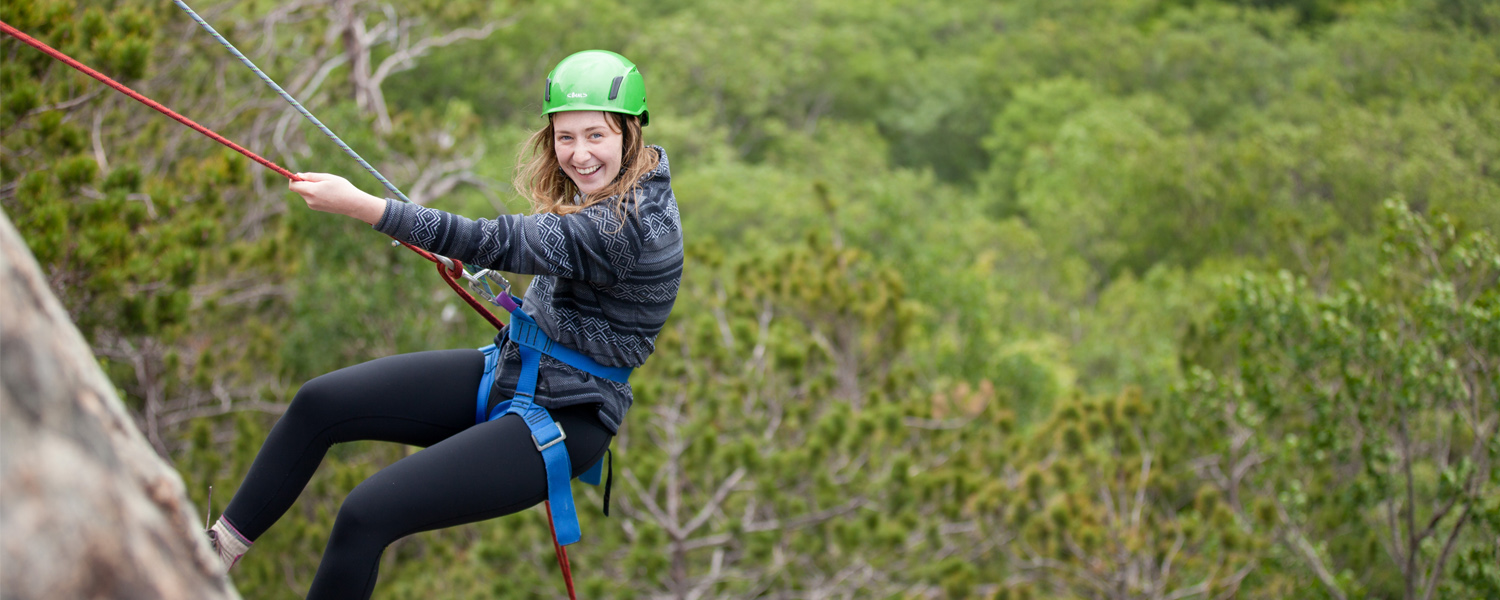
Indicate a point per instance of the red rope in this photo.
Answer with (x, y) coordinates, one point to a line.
(562, 553)
(450, 278)
(119, 87)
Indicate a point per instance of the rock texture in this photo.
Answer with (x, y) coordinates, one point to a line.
(87, 508)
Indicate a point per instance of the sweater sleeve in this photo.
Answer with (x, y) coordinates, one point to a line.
(591, 245)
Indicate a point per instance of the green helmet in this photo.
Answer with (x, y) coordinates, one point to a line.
(596, 80)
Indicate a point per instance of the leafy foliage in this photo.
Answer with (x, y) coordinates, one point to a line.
(954, 322)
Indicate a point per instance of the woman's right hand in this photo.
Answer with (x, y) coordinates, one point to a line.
(333, 194)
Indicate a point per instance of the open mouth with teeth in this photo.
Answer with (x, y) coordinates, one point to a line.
(588, 170)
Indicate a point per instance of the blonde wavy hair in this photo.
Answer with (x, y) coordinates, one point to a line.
(550, 190)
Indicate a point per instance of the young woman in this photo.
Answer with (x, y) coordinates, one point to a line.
(605, 245)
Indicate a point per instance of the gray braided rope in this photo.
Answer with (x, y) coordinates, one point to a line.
(293, 101)
(471, 275)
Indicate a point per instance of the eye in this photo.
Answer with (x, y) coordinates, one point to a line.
(564, 138)
(596, 135)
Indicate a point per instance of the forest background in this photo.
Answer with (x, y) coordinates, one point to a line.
(1033, 299)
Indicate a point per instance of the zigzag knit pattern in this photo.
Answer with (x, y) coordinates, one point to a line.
(602, 287)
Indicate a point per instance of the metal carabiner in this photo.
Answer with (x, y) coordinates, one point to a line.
(480, 281)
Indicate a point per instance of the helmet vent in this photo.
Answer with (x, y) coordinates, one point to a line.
(548, 96)
(614, 88)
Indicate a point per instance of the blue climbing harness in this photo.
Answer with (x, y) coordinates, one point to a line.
(546, 433)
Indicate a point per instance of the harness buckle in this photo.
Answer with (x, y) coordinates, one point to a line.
(561, 435)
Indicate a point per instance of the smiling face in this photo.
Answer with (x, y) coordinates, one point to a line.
(588, 148)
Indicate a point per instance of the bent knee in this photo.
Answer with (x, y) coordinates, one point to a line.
(368, 513)
(317, 401)
(358, 512)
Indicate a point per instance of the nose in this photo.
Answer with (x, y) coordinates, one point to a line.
(581, 155)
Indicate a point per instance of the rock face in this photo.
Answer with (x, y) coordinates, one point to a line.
(87, 508)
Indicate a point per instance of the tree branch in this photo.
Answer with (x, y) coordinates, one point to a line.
(1298, 543)
(67, 104)
(1437, 569)
(713, 504)
(405, 57)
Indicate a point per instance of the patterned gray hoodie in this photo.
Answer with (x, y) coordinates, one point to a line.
(602, 287)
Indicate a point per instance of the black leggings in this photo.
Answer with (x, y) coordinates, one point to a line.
(466, 473)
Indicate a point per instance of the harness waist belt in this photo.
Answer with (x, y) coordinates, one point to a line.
(527, 333)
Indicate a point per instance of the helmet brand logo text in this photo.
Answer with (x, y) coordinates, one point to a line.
(577, 95)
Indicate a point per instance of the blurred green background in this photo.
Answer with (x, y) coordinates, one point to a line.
(1035, 299)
